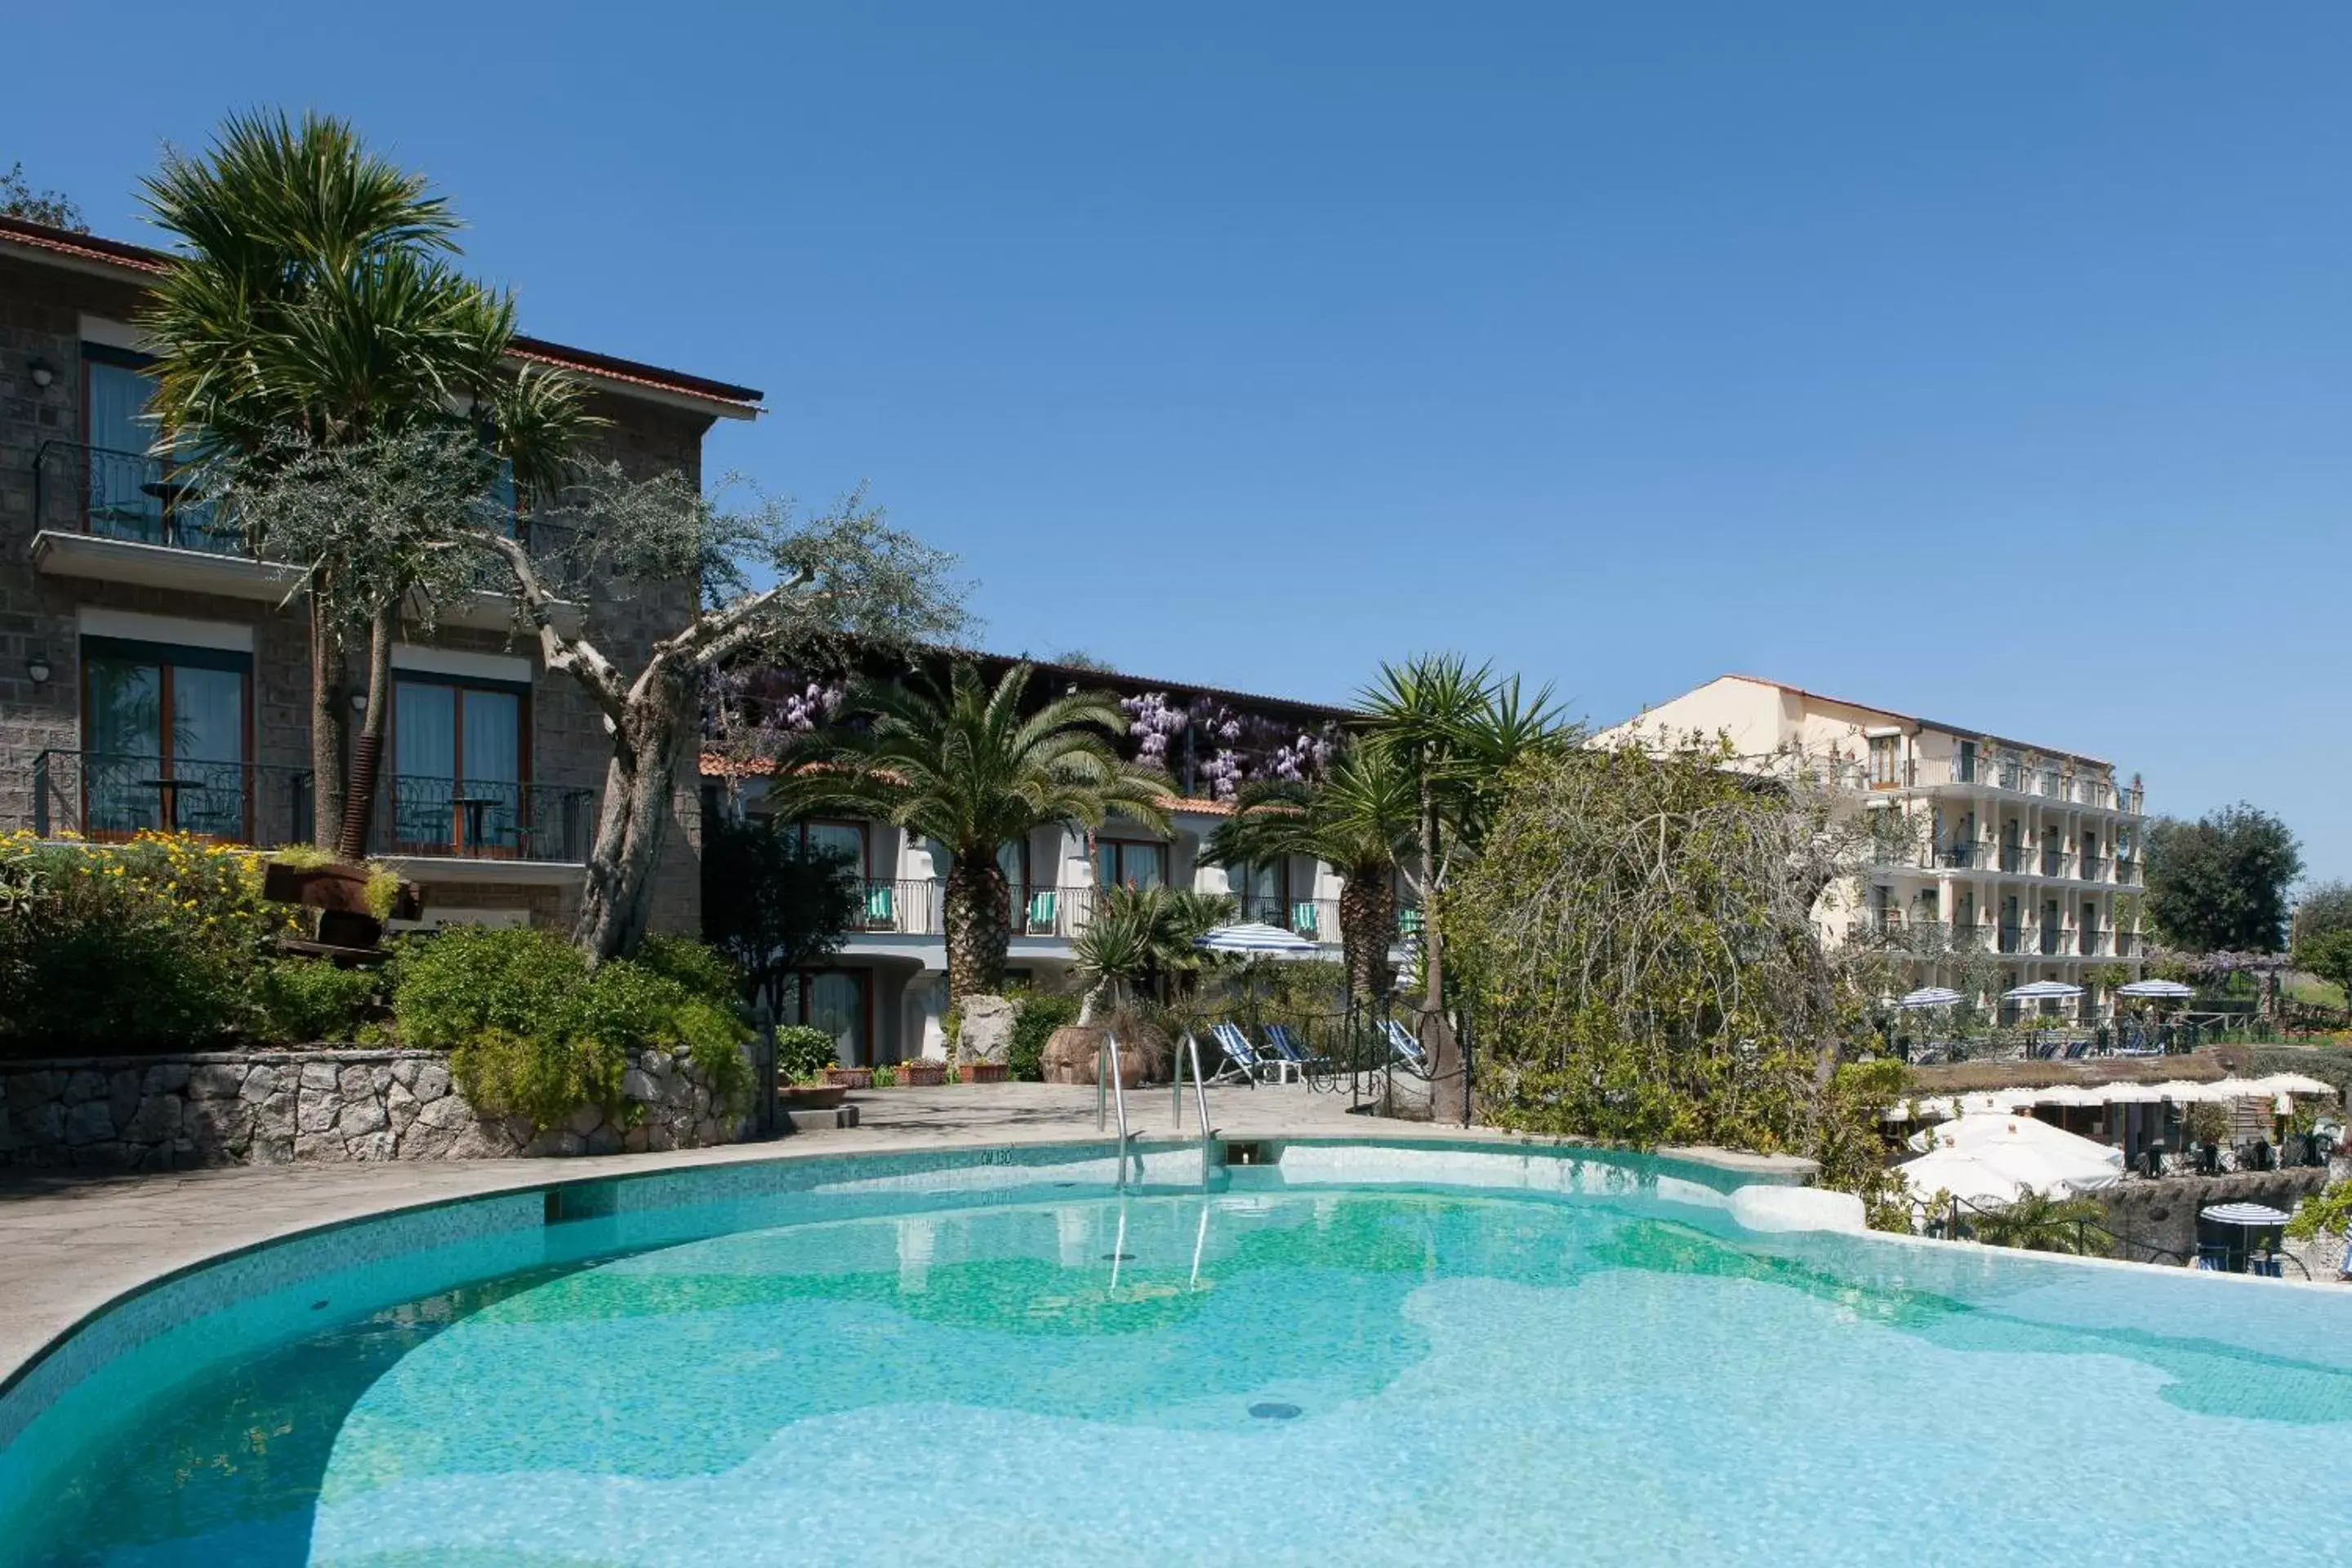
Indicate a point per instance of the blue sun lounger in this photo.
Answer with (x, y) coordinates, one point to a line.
(1242, 1059)
(1415, 1059)
(1289, 1052)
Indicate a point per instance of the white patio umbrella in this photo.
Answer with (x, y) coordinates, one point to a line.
(1927, 996)
(2248, 1214)
(2235, 1088)
(2171, 988)
(2082, 1163)
(1256, 937)
(2036, 990)
(2294, 1083)
(2129, 1093)
(1993, 1101)
(1967, 1177)
(1935, 1107)
(2067, 1094)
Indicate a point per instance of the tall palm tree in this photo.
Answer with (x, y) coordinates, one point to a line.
(1360, 819)
(1456, 731)
(312, 304)
(967, 767)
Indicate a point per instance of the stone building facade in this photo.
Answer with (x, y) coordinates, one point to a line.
(153, 674)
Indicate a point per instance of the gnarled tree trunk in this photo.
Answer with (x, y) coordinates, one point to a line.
(652, 742)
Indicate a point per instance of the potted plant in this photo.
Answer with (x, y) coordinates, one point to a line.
(923, 1073)
(804, 1058)
(983, 1072)
(850, 1077)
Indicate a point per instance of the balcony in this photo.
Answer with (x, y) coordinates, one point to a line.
(107, 516)
(2053, 941)
(2129, 944)
(2056, 863)
(2127, 873)
(113, 795)
(2012, 939)
(1316, 919)
(1961, 857)
(2016, 857)
(2093, 868)
(2090, 941)
(128, 496)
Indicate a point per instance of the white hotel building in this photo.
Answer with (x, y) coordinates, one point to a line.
(2026, 852)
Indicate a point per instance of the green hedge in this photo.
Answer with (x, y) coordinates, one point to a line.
(532, 1031)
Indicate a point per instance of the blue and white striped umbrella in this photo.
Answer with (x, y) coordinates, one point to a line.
(2156, 988)
(2037, 990)
(1256, 937)
(2243, 1214)
(1928, 996)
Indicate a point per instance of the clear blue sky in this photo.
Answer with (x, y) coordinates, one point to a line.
(1984, 361)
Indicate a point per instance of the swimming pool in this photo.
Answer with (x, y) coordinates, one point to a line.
(1360, 1353)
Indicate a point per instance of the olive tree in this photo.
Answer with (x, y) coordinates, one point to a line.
(769, 583)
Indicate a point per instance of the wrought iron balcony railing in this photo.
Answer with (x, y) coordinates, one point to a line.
(124, 495)
(114, 795)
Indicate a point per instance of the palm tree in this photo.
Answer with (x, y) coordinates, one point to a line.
(1456, 732)
(965, 767)
(2044, 1222)
(312, 305)
(1360, 820)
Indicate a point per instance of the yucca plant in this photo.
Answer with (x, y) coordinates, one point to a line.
(969, 768)
(311, 307)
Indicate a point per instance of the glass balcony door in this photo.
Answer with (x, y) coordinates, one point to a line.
(460, 756)
(165, 737)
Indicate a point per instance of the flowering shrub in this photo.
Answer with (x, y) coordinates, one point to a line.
(157, 942)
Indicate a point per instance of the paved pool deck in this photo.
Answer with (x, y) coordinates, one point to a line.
(70, 1242)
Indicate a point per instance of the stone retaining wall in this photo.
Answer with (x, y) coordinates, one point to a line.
(269, 1107)
(2163, 1214)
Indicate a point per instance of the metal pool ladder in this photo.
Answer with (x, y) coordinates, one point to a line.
(1106, 1081)
(1200, 1097)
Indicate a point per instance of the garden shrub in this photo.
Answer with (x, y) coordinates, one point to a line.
(532, 1031)
(1039, 1016)
(305, 999)
(803, 1052)
(154, 943)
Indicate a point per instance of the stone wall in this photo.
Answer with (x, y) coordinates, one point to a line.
(2163, 1214)
(270, 1108)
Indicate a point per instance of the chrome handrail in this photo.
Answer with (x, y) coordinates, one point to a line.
(1107, 1067)
(1200, 1097)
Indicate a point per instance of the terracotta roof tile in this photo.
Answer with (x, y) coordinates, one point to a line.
(139, 258)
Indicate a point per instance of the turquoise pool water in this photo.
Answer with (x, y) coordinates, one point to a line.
(1333, 1374)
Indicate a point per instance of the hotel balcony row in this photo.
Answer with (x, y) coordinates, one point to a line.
(915, 907)
(2020, 861)
(2057, 786)
(2024, 939)
(111, 796)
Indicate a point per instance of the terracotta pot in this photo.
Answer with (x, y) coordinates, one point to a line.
(922, 1074)
(812, 1096)
(983, 1072)
(850, 1077)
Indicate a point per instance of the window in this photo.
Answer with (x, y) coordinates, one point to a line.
(839, 1002)
(167, 737)
(460, 757)
(1123, 862)
(1967, 764)
(1263, 891)
(126, 497)
(1885, 761)
(842, 837)
(1013, 860)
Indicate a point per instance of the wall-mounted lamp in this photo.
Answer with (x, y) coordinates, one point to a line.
(42, 373)
(359, 701)
(38, 668)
